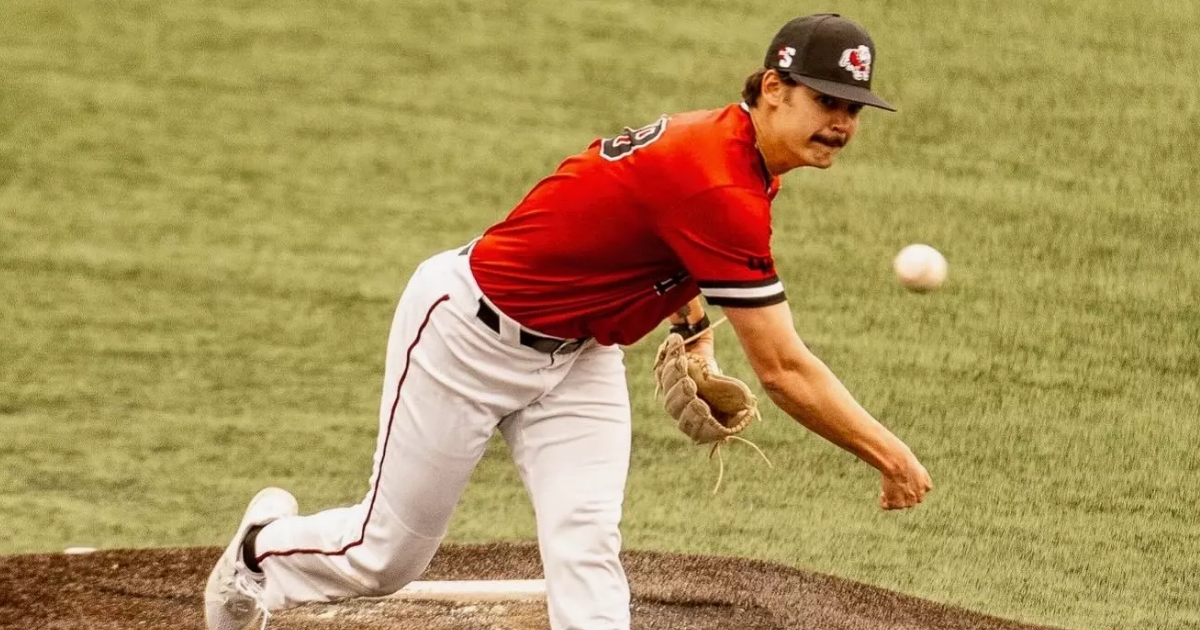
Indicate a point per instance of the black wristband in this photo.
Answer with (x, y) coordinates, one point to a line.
(687, 331)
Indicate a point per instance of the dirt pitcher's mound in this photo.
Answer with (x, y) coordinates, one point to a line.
(153, 589)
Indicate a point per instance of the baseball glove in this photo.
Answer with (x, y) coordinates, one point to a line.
(708, 406)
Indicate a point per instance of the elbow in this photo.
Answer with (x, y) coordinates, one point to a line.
(773, 381)
(794, 389)
(786, 373)
(778, 379)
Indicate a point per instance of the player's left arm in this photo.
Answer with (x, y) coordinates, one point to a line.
(691, 321)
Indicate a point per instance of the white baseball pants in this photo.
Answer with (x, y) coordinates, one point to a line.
(449, 383)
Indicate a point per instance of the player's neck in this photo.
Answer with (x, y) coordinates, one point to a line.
(773, 154)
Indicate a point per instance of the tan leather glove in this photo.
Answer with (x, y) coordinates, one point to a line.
(707, 406)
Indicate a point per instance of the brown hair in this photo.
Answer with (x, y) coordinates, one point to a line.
(753, 87)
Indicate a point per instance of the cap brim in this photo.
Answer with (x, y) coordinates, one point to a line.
(851, 93)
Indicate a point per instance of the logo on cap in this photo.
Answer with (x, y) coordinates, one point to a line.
(858, 62)
(786, 54)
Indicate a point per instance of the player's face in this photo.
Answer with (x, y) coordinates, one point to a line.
(812, 127)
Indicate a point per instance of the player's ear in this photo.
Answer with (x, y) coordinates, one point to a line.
(774, 90)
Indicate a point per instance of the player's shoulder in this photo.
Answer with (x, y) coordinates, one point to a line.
(715, 146)
(724, 124)
(669, 134)
(684, 154)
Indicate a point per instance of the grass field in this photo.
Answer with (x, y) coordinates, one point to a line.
(207, 210)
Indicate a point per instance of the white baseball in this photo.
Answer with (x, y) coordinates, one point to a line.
(920, 268)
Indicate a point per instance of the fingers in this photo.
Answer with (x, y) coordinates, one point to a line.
(898, 504)
(905, 491)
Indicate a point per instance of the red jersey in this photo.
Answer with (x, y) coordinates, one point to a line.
(627, 232)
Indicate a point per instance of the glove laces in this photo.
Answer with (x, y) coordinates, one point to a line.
(697, 335)
(716, 450)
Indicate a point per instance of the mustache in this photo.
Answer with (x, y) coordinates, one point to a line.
(833, 139)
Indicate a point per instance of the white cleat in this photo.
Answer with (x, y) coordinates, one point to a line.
(233, 598)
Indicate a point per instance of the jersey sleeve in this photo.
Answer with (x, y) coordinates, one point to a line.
(723, 238)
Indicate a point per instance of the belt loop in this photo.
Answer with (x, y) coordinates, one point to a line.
(510, 331)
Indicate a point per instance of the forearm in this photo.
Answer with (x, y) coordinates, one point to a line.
(692, 313)
(817, 399)
(804, 387)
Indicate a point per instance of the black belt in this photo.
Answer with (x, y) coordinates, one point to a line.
(549, 345)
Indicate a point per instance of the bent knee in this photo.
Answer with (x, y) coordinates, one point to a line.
(388, 565)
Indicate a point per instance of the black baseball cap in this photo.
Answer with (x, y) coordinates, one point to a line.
(829, 54)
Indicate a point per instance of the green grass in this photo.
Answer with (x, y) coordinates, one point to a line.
(207, 210)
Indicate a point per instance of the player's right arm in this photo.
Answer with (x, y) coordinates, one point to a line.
(722, 236)
(806, 389)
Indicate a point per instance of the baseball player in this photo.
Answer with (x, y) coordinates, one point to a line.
(521, 331)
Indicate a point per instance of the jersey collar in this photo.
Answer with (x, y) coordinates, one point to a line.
(762, 162)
